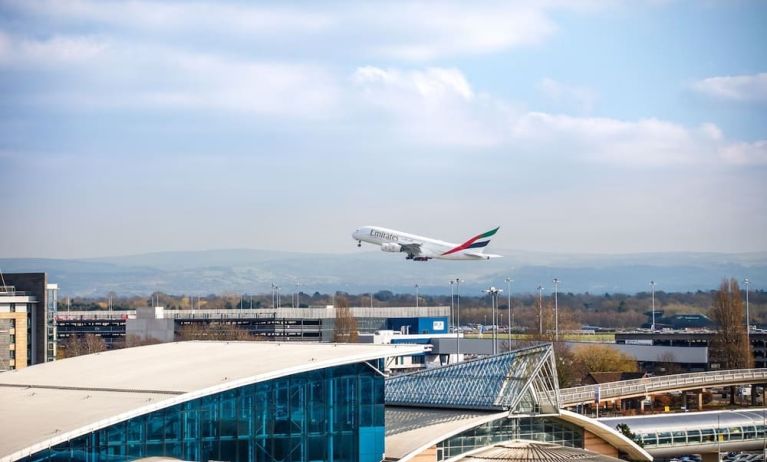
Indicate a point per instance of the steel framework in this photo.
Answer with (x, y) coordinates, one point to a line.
(522, 381)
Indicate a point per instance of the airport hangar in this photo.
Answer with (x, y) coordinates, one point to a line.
(270, 401)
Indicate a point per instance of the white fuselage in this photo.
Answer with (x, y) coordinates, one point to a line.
(392, 240)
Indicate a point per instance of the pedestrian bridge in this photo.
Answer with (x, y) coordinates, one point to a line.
(713, 432)
(649, 385)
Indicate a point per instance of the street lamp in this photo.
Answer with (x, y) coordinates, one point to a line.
(748, 320)
(556, 309)
(540, 310)
(494, 303)
(274, 303)
(458, 282)
(508, 286)
(452, 304)
(416, 296)
(652, 285)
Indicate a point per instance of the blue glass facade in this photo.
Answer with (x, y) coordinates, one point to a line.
(332, 414)
(424, 325)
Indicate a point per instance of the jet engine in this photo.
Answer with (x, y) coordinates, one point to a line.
(391, 247)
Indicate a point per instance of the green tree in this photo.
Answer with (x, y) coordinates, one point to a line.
(626, 431)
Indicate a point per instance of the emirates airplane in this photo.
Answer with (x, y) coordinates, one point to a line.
(421, 248)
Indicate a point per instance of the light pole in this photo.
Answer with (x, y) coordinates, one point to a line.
(508, 307)
(298, 293)
(279, 303)
(274, 300)
(556, 309)
(494, 304)
(652, 285)
(458, 282)
(452, 304)
(540, 310)
(416, 296)
(748, 320)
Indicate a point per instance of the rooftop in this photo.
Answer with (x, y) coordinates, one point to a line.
(52, 402)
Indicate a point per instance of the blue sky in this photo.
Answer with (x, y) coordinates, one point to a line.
(593, 126)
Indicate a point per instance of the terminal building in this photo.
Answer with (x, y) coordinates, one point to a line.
(294, 401)
(27, 320)
(233, 401)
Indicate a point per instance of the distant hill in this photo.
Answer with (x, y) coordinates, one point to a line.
(252, 271)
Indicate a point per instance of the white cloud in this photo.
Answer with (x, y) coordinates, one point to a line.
(57, 50)
(424, 31)
(430, 84)
(197, 17)
(438, 107)
(741, 88)
(648, 142)
(746, 153)
(413, 31)
(104, 75)
(434, 106)
(582, 98)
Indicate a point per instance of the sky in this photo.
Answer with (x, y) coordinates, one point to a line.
(576, 126)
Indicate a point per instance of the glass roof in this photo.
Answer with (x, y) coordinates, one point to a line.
(522, 381)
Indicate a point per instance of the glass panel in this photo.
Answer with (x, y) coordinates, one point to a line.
(316, 421)
(307, 417)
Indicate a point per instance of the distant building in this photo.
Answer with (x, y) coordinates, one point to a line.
(306, 324)
(692, 339)
(430, 357)
(678, 321)
(27, 320)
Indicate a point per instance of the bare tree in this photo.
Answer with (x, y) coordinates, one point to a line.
(77, 345)
(135, 341)
(214, 331)
(730, 344)
(345, 326)
(603, 358)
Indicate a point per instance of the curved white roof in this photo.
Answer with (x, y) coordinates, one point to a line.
(49, 403)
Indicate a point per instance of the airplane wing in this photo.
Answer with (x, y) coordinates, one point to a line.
(483, 256)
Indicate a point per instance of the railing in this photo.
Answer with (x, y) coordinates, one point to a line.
(638, 387)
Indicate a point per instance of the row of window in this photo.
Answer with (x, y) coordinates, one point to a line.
(704, 436)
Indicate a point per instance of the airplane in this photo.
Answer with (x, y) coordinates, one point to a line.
(421, 248)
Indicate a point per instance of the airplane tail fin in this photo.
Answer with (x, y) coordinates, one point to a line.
(477, 242)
